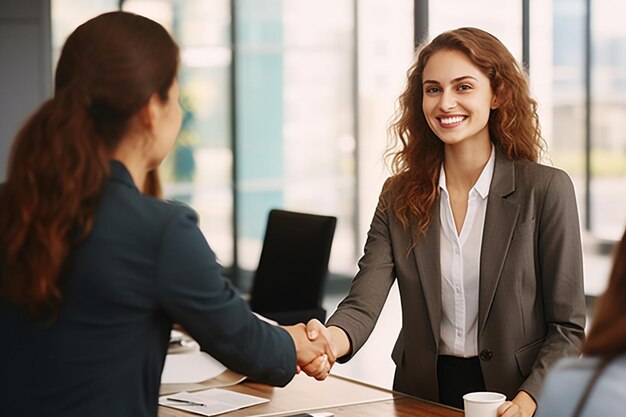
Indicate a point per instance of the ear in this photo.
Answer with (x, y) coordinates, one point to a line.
(495, 102)
(149, 113)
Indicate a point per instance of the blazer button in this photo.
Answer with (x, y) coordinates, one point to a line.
(486, 355)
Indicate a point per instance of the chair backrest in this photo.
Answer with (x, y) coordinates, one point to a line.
(293, 266)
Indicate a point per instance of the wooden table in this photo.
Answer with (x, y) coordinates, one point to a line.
(341, 396)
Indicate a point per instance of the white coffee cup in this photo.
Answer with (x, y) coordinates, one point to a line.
(483, 404)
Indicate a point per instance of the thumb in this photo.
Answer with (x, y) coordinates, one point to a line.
(312, 329)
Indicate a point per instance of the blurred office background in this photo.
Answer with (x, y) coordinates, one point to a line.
(287, 103)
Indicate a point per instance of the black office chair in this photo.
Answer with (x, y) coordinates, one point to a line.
(288, 285)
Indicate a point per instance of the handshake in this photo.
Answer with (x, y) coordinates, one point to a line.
(317, 347)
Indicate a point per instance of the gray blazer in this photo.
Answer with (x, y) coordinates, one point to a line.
(531, 298)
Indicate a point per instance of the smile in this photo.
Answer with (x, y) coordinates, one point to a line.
(448, 121)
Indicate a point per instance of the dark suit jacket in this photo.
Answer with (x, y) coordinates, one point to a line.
(531, 298)
(144, 266)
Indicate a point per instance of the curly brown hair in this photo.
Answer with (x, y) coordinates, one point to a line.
(108, 70)
(417, 153)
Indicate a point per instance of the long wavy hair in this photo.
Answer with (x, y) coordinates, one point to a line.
(416, 153)
(109, 68)
(607, 337)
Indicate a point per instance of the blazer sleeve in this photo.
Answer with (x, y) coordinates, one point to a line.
(193, 293)
(358, 313)
(561, 275)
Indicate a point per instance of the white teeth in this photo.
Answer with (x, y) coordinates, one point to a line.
(451, 120)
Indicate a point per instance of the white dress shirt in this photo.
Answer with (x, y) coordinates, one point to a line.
(460, 266)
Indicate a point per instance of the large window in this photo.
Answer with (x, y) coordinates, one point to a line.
(558, 79)
(560, 45)
(502, 18)
(287, 104)
(295, 118)
(198, 171)
(291, 136)
(608, 137)
(385, 52)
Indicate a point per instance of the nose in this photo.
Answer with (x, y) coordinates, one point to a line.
(447, 101)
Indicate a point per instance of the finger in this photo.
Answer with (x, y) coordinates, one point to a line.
(313, 328)
(318, 369)
(325, 345)
(322, 376)
(323, 371)
(508, 409)
(502, 409)
(504, 406)
(330, 352)
(324, 365)
(313, 367)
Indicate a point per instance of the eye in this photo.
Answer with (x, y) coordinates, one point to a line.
(464, 87)
(432, 89)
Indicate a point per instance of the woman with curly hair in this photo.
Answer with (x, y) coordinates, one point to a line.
(483, 240)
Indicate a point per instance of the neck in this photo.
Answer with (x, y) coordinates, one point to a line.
(464, 164)
(129, 153)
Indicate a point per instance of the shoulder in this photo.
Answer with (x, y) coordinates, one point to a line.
(567, 381)
(531, 178)
(173, 208)
(394, 186)
(169, 212)
(126, 212)
(533, 171)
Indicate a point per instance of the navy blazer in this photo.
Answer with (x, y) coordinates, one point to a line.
(144, 266)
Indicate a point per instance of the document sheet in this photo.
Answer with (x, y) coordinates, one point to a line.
(210, 402)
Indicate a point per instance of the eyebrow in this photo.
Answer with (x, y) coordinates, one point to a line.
(457, 79)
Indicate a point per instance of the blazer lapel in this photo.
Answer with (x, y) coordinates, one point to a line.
(500, 220)
(427, 256)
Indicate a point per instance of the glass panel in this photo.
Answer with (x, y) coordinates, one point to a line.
(67, 15)
(385, 42)
(507, 26)
(295, 130)
(198, 170)
(608, 137)
(557, 73)
(557, 62)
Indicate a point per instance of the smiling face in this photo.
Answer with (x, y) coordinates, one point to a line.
(457, 98)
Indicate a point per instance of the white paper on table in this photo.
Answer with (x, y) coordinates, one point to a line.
(216, 401)
(192, 367)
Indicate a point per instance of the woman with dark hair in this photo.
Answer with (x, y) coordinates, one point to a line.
(595, 385)
(483, 240)
(93, 273)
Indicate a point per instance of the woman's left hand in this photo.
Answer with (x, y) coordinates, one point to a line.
(510, 409)
(522, 405)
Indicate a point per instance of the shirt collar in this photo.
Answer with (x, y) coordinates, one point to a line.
(120, 173)
(483, 183)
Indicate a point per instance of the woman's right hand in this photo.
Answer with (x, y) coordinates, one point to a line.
(315, 356)
(338, 341)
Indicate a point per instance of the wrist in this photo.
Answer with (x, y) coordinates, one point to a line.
(341, 341)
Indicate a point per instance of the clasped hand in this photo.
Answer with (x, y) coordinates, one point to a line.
(314, 348)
